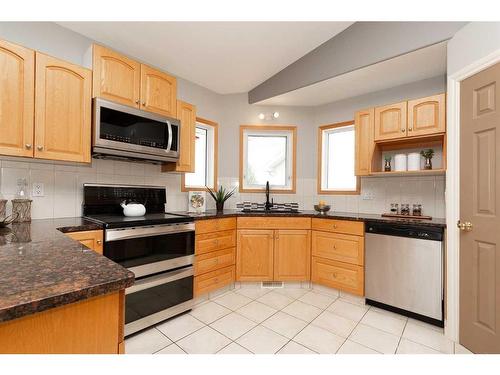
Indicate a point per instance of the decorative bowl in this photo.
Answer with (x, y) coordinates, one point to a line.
(322, 209)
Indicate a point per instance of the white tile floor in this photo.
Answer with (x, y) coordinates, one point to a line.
(290, 321)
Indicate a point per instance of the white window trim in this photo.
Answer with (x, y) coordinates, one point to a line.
(211, 155)
(290, 159)
(323, 179)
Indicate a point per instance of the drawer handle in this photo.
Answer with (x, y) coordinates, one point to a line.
(334, 226)
(334, 247)
(334, 275)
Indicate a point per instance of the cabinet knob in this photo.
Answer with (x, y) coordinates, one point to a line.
(28, 146)
(144, 104)
(334, 226)
(403, 130)
(137, 102)
(334, 275)
(334, 247)
(410, 129)
(99, 242)
(39, 148)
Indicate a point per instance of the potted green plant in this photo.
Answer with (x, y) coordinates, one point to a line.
(427, 154)
(220, 196)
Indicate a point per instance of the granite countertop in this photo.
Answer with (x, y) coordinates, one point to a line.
(212, 214)
(41, 268)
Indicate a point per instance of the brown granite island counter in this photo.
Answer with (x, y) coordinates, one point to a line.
(56, 295)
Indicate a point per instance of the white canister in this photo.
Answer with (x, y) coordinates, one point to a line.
(400, 162)
(414, 161)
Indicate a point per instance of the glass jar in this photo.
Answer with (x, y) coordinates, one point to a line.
(417, 210)
(405, 209)
(394, 208)
(21, 204)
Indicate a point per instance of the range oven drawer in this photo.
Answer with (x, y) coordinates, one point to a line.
(153, 299)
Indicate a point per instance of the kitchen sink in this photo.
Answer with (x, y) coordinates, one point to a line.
(270, 211)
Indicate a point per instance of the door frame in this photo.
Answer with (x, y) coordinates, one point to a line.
(452, 196)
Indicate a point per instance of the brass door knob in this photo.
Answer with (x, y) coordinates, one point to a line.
(99, 242)
(403, 130)
(137, 102)
(39, 148)
(28, 146)
(467, 226)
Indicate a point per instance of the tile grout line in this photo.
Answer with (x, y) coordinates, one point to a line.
(350, 334)
(401, 337)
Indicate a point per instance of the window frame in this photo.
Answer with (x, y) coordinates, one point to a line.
(293, 160)
(320, 189)
(215, 126)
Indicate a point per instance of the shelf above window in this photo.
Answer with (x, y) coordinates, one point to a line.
(422, 172)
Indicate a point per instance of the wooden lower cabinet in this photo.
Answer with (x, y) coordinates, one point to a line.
(339, 275)
(92, 326)
(255, 255)
(210, 281)
(212, 261)
(215, 241)
(292, 255)
(93, 239)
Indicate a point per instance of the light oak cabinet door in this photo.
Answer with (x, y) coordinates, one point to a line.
(62, 110)
(116, 77)
(17, 77)
(187, 114)
(158, 92)
(254, 255)
(91, 238)
(390, 121)
(292, 255)
(427, 116)
(364, 132)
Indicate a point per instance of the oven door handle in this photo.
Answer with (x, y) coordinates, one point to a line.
(147, 231)
(151, 282)
(169, 144)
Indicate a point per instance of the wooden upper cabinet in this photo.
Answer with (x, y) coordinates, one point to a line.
(62, 110)
(17, 77)
(364, 131)
(116, 77)
(158, 92)
(292, 255)
(186, 113)
(390, 121)
(427, 116)
(254, 255)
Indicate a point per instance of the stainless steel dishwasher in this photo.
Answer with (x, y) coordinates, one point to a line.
(404, 269)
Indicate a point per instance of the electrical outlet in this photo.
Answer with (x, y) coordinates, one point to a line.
(37, 189)
(368, 196)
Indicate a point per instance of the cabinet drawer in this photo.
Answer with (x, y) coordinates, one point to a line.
(215, 241)
(274, 223)
(214, 260)
(213, 280)
(342, 276)
(93, 239)
(215, 225)
(356, 228)
(340, 247)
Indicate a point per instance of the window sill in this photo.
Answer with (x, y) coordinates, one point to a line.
(339, 192)
(275, 191)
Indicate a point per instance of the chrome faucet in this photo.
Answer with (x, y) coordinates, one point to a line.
(268, 205)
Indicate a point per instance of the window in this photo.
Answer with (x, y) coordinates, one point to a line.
(267, 153)
(336, 159)
(205, 151)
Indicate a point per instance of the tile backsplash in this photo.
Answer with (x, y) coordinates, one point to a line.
(63, 188)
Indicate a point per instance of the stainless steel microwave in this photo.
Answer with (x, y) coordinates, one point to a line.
(123, 132)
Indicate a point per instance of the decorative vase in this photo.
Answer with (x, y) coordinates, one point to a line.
(21, 210)
(387, 165)
(219, 206)
(428, 163)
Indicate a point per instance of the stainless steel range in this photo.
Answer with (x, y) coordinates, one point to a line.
(157, 247)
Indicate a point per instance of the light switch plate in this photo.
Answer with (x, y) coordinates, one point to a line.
(38, 189)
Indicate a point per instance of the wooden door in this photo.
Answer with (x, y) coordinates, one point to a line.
(186, 113)
(158, 92)
(90, 238)
(254, 255)
(390, 121)
(116, 77)
(292, 255)
(480, 206)
(364, 130)
(62, 110)
(17, 77)
(427, 116)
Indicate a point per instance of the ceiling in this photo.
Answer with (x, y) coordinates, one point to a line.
(414, 66)
(226, 57)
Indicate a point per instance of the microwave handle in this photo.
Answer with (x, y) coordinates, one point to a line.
(169, 144)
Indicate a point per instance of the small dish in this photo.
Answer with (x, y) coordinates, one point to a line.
(322, 209)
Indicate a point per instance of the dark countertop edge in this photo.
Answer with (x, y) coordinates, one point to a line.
(80, 228)
(212, 214)
(49, 303)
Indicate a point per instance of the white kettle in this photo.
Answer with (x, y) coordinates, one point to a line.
(133, 209)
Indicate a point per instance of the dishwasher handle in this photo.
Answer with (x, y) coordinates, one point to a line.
(405, 230)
